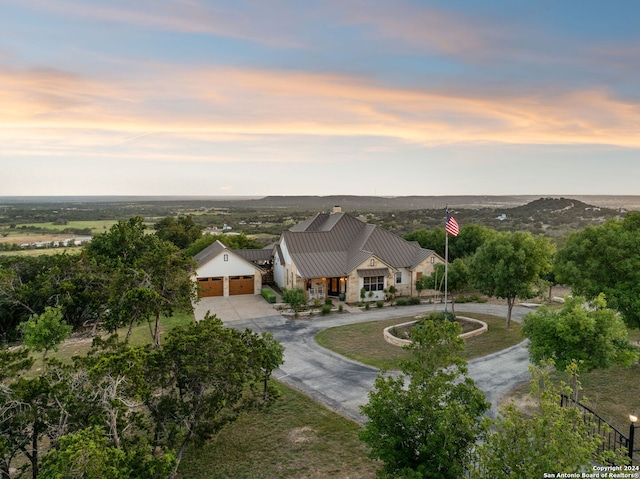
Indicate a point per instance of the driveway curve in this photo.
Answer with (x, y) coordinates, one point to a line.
(343, 385)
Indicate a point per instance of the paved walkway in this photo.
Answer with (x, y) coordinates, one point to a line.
(343, 384)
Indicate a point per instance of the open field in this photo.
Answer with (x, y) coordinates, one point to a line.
(364, 342)
(96, 226)
(40, 251)
(612, 393)
(22, 237)
(294, 438)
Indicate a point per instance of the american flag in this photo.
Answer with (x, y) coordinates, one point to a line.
(452, 226)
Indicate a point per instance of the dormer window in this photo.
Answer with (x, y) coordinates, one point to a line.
(226, 257)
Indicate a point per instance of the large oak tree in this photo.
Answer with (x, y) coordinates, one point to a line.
(509, 265)
(605, 259)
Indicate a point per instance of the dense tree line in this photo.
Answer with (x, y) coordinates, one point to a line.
(126, 412)
(124, 276)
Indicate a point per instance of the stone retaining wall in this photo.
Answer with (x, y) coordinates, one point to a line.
(391, 339)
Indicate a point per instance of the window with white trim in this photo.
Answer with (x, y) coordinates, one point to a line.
(399, 277)
(373, 283)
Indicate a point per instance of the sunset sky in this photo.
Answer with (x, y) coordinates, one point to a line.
(363, 97)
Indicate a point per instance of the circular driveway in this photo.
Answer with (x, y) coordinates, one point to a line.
(340, 383)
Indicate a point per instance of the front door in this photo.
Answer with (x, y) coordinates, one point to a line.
(334, 286)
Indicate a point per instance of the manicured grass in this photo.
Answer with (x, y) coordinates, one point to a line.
(294, 438)
(364, 342)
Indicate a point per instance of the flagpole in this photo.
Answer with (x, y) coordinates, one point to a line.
(446, 263)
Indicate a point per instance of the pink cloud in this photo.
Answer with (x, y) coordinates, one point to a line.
(56, 113)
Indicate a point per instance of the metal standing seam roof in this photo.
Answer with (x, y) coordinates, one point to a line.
(210, 252)
(214, 249)
(336, 244)
(255, 254)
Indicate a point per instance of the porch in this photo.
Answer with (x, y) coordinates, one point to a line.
(321, 288)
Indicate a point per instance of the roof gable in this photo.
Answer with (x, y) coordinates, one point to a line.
(213, 251)
(334, 245)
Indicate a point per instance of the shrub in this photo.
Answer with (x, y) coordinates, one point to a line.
(328, 301)
(448, 315)
(411, 300)
(482, 300)
(316, 303)
(340, 308)
(367, 305)
(326, 309)
(294, 298)
(269, 295)
(379, 304)
(402, 301)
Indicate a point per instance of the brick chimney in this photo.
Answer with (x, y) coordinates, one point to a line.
(337, 209)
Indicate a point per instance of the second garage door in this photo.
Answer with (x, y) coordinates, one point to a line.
(241, 285)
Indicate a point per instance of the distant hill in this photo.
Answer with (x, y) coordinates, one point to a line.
(381, 203)
(325, 203)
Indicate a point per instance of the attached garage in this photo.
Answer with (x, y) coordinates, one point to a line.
(210, 287)
(222, 272)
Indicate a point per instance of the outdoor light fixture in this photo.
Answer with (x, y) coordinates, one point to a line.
(632, 432)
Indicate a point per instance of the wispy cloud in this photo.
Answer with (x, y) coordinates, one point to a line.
(181, 114)
(271, 23)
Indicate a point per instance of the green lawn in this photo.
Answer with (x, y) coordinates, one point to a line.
(364, 342)
(97, 225)
(294, 438)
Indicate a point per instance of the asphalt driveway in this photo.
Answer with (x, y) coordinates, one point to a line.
(340, 383)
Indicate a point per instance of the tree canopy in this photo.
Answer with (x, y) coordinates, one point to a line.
(596, 337)
(464, 245)
(605, 259)
(550, 438)
(45, 331)
(458, 279)
(239, 241)
(508, 265)
(145, 276)
(425, 422)
(130, 412)
(181, 231)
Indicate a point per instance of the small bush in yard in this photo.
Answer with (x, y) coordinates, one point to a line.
(367, 305)
(379, 304)
(413, 300)
(328, 301)
(340, 308)
(326, 309)
(402, 301)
